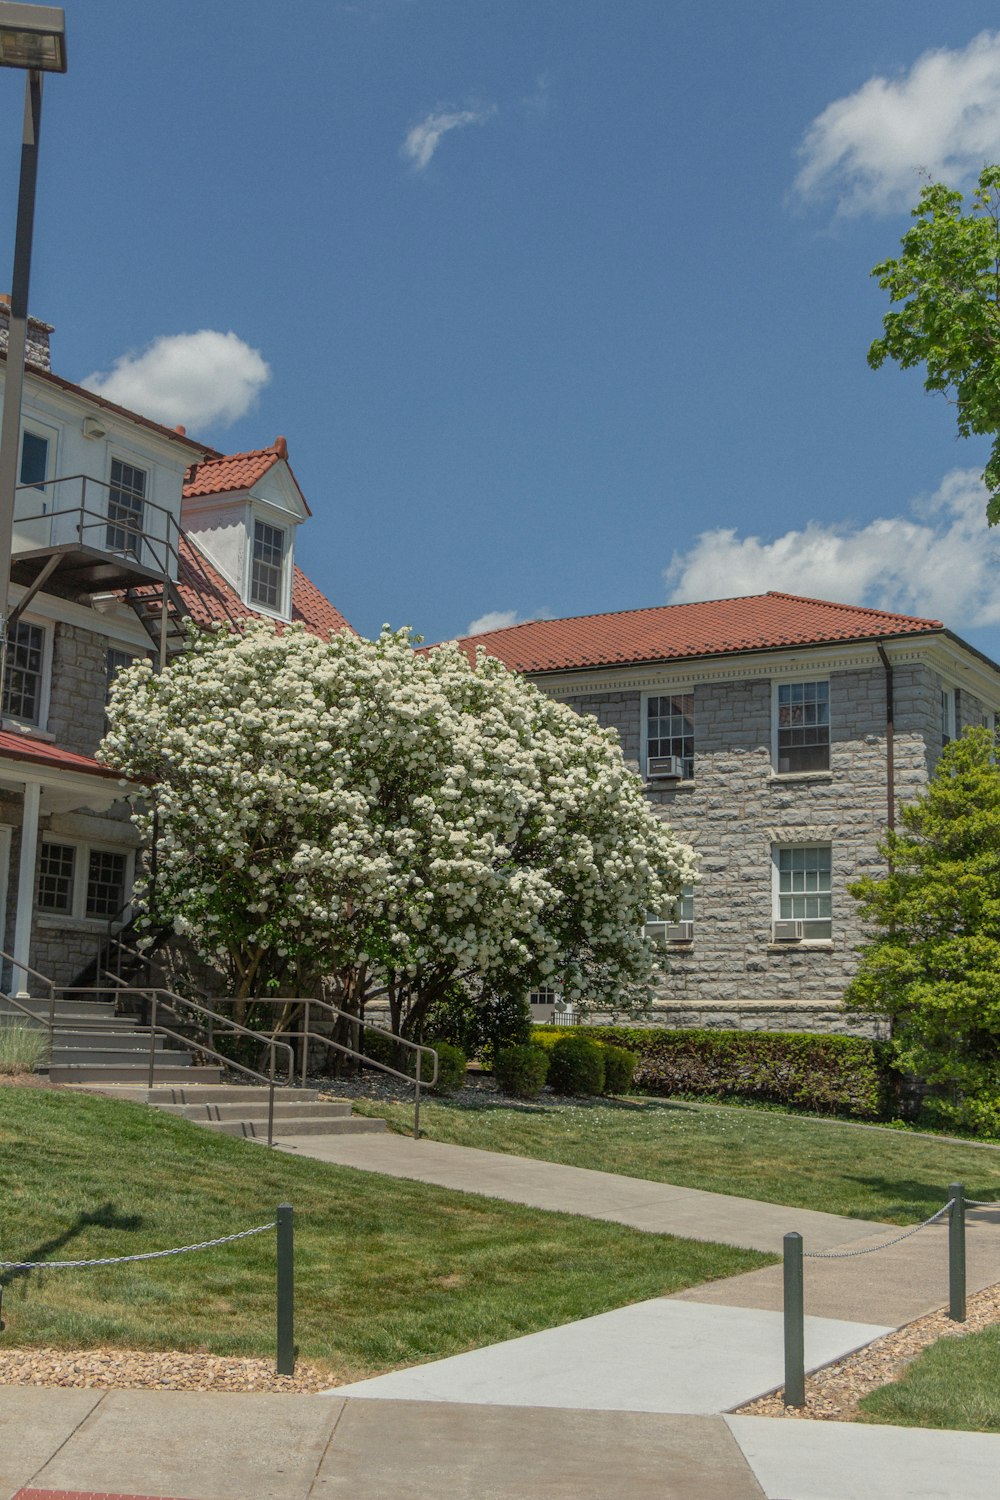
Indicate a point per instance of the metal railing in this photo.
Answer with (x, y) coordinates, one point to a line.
(306, 1035)
(157, 997)
(91, 515)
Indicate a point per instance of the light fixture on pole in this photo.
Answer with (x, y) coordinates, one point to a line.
(32, 37)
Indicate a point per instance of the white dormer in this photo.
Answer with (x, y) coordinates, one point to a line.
(242, 509)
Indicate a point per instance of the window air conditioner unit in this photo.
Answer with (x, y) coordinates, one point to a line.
(679, 932)
(788, 932)
(665, 768)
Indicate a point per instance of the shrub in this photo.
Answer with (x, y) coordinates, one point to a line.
(480, 1021)
(451, 1067)
(619, 1068)
(22, 1048)
(521, 1071)
(576, 1065)
(380, 1046)
(825, 1074)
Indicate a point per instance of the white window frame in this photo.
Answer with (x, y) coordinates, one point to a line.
(278, 521)
(51, 436)
(655, 928)
(776, 894)
(671, 692)
(143, 466)
(949, 726)
(778, 683)
(45, 675)
(77, 914)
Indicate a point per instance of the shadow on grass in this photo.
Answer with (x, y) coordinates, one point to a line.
(104, 1217)
(555, 1106)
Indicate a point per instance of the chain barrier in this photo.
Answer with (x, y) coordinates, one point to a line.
(120, 1260)
(869, 1249)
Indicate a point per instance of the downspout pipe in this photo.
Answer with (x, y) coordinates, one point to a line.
(890, 747)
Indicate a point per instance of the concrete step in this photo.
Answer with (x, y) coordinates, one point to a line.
(117, 1073)
(64, 1011)
(122, 1056)
(214, 1093)
(284, 1108)
(296, 1125)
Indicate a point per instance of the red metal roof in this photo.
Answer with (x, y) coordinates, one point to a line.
(675, 632)
(223, 473)
(14, 746)
(209, 599)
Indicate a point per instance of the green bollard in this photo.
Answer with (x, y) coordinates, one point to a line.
(956, 1253)
(795, 1352)
(286, 1290)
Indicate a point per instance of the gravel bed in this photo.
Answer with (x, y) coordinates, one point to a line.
(833, 1393)
(134, 1370)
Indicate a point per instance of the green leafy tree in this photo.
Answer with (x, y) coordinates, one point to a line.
(932, 963)
(947, 281)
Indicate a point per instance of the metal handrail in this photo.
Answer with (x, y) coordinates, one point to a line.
(230, 1027)
(305, 1034)
(22, 968)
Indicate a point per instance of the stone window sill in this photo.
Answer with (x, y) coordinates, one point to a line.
(30, 731)
(74, 924)
(785, 778)
(666, 785)
(810, 945)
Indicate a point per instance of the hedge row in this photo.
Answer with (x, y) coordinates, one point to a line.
(842, 1075)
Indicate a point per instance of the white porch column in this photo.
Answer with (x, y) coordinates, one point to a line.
(26, 886)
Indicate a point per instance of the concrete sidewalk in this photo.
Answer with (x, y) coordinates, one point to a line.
(656, 1207)
(208, 1446)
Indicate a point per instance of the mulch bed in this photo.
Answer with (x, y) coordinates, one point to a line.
(833, 1393)
(138, 1370)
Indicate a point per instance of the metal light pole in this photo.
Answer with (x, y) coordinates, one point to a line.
(32, 37)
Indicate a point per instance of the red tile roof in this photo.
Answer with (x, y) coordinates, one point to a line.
(676, 632)
(222, 473)
(14, 746)
(209, 599)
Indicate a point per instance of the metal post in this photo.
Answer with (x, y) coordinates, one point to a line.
(286, 1290)
(305, 1046)
(152, 1038)
(795, 1354)
(17, 336)
(956, 1253)
(416, 1101)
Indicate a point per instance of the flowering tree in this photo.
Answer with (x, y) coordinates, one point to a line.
(357, 814)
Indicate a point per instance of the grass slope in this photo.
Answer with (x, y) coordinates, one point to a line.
(387, 1272)
(778, 1158)
(955, 1383)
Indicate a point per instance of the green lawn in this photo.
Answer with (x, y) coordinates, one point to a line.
(387, 1272)
(954, 1383)
(780, 1158)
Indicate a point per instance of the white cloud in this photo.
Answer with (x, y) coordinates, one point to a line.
(196, 379)
(941, 118)
(499, 619)
(423, 140)
(941, 562)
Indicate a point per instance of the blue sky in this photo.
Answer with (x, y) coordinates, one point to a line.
(563, 305)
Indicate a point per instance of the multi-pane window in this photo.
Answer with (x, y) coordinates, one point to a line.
(22, 688)
(679, 925)
(114, 661)
(805, 888)
(77, 881)
(105, 884)
(126, 503)
(670, 730)
(544, 995)
(947, 716)
(803, 726)
(57, 865)
(34, 459)
(267, 566)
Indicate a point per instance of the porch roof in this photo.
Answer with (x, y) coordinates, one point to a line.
(23, 747)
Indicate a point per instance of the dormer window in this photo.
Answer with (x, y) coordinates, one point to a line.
(267, 568)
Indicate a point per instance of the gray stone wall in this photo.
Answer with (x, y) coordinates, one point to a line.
(736, 810)
(76, 698)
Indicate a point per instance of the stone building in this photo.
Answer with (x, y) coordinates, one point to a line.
(122, 527)
(778, 736)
